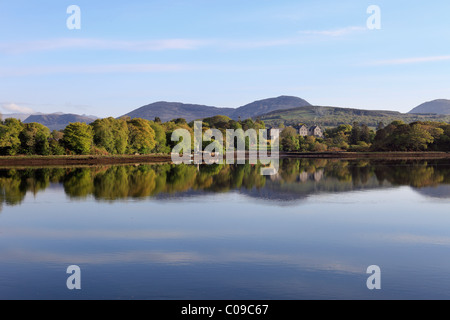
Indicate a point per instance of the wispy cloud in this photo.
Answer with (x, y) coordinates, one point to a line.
(15, 108)
(335, 32)
(93, 69)
(411, 60)
(255, 44)
(99, 44)
(24, 47)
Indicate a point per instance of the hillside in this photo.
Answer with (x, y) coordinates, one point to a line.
(167, 111)
(58, 121)
(171, 110)
(440, 106)
(334, 116)
(257, 108)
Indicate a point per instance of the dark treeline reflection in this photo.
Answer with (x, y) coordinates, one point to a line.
(295, 179)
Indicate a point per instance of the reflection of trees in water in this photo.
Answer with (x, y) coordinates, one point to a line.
(11, 191)
(417, 174)
(299, 176)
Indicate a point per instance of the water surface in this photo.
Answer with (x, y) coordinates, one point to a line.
(226, 232)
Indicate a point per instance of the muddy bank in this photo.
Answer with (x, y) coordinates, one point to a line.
(43, 161)
(367, 155)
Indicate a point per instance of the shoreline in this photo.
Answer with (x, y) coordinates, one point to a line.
(366, 155)
(90, 160)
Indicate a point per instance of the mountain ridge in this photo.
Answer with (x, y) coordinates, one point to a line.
(286, 110)
(167, 111)
(58, 121)
(438, 106)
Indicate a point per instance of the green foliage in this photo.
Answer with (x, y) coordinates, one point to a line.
(55, 143)
(289, 140)
(141, 136)
(218, 122)
(111, 134)
(170, 127)
(78, 138)
(10, 130)
(417, 136)
(34, 139)
(56, 148)
(160, 138)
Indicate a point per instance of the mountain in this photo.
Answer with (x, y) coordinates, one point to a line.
(334, 116)
(58, 121)
(440, 106)
(441, 191)
(257, 108)
(167, 111)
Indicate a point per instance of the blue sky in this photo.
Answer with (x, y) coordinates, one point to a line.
(221, 53)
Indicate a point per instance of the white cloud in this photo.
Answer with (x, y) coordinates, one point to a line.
(255, 44)
(93, 69)
(162, 44)
(12, 107)
(100, 44)
(335, 32)
(411, 60)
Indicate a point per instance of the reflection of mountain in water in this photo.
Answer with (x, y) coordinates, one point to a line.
(296, 180)
(441, 191)
(300, 190)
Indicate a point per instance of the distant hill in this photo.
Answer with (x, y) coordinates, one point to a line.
(334, 116)
(58, 121)
(440, 191)
(257, 108)
(440, 106)
(167, 111)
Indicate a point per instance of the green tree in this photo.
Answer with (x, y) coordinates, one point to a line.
(34, 139)
(160, 138)
(289, 140)
(55, 143)
(111, 134)
(355, 135)
(78, 138)
(418, 138)
(10, 130)
(365, 135)
(399, 136)
(141, 136)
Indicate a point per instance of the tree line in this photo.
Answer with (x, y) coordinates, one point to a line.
(110, 136)
(397, 136)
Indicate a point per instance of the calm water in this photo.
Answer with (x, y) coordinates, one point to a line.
(226, 232)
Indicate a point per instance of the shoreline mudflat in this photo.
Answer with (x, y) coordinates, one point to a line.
(43, 161)
(88, 160)
(366, 155)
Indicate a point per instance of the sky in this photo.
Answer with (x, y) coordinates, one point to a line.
(127, 54)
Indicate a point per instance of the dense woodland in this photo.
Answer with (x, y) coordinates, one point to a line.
(397, 136)
(111, 136)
